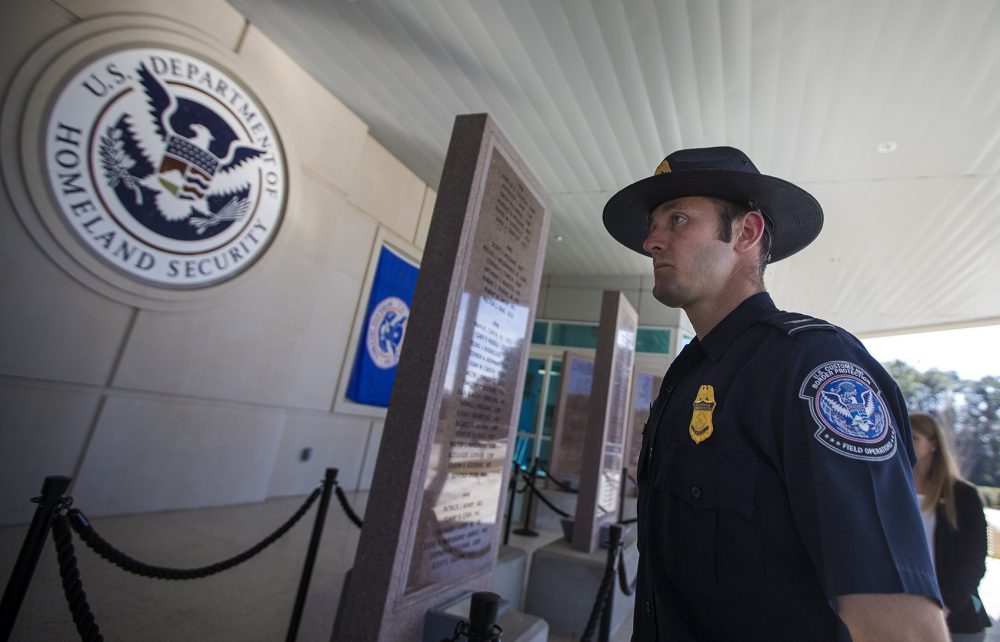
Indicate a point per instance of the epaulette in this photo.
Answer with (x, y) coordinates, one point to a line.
(792, 323)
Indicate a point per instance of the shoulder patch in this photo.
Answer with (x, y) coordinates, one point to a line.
(792, 323)
(850, 413)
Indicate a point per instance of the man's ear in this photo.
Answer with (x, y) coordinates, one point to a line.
(749, 230)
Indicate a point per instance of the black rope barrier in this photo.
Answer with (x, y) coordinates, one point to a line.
(99, 545)
(76, 598)
(54, 513)
(351, 515)
(528, 509)
(561, 484)
(462, 632)
(601, 611)
(537, 493)
(512, 492)
(628, 588)
(603, 595)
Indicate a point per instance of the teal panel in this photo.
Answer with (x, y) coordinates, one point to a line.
(540, 333)
(654, 340)
(573, 335)
(532, 393)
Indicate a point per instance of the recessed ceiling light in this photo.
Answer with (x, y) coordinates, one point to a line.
(559, 238)
(887, 147)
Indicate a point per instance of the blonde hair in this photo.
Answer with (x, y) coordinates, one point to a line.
(943, 471)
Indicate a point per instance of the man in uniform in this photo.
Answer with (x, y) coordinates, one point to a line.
(776, 499)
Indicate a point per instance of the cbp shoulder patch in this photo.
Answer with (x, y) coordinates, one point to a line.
(792, 323)
(848, 407)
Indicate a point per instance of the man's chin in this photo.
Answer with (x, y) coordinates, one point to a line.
(668, 298)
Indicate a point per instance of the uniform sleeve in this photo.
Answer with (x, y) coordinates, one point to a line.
(845, 452)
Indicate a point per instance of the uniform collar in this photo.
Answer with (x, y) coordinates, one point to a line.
(746, 314)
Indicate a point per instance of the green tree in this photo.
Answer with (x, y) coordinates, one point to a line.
(977, 433)
(931, 392)
(969, 410)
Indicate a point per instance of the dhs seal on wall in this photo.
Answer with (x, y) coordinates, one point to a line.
(848, 407)
(381, 338)
(386, 329)
(165, 167)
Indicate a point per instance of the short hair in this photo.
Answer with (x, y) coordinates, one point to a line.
(729, 211)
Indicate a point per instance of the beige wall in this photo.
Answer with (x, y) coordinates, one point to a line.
(213, 402)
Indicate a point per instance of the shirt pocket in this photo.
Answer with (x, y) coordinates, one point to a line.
(715, 540)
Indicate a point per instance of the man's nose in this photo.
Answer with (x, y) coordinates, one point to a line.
(653, 243)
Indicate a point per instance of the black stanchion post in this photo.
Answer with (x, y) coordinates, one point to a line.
(515, 471)
(621, 494)
(329, 480)
(615, 535)
(483, 616)
(53, 490)
(528, 505)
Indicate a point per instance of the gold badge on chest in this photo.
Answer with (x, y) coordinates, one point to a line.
(701, 419)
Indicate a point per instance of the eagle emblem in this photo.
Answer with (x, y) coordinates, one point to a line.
(701, 427)
(848, 408)
(180, 169)
(165, 167)
(853, 409)
(386, 330)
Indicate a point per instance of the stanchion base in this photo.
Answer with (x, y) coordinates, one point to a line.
(527, 532)
(440, 623)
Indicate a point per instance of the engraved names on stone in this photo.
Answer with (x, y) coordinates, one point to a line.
(618, 409)
(571, 416)
(443, 461)
(459, 510)
(601, 475)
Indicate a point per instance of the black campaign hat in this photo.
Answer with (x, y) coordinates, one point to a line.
(720, 172)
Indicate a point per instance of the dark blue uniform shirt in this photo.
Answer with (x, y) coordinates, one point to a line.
(775, 476)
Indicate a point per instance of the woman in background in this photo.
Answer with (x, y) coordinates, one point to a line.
(955, 526)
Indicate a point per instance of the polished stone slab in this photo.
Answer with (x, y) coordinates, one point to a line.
(571, 417)
(601, 479)
(441, 475)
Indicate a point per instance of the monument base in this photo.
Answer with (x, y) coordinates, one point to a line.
(563, 584)
(604, 535)
(517, 627)
(508, 575)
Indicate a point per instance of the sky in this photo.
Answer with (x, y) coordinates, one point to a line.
(971, 352)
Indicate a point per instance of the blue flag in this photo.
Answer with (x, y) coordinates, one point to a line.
(385, 326)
